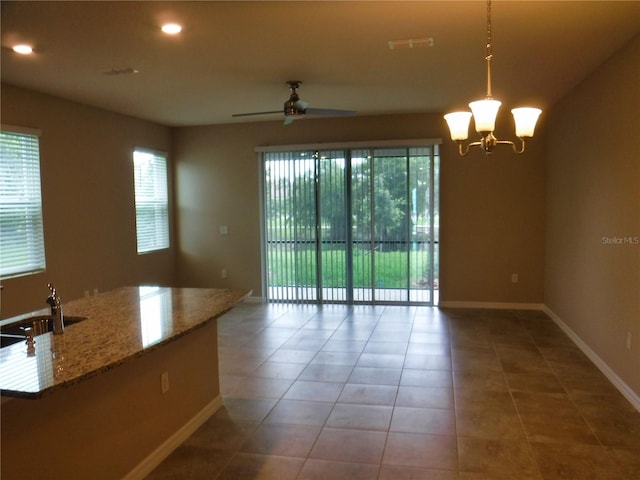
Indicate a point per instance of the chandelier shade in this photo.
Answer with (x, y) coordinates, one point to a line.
(526, 119)
(484, 114)
(458, 124)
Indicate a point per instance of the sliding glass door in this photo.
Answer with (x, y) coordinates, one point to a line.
(352, 225)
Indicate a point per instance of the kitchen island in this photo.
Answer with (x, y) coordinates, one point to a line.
(114, 394)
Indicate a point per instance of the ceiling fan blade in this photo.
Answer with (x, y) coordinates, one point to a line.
(301, 104)
(255, 113)
(328, 111)
(295, 108)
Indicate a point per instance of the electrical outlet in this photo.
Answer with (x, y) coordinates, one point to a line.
(514, 278)
(629, 341)
(223, 273)
(164, 382)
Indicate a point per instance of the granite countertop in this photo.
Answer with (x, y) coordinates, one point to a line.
(120, 325)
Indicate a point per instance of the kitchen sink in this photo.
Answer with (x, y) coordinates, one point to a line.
(16, 332)
(7, 339)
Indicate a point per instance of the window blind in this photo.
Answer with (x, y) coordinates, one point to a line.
(21, 231)
(151, 198)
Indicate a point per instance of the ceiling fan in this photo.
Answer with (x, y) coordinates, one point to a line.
(296, 108)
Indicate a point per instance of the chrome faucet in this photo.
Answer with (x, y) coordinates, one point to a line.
(56, 310)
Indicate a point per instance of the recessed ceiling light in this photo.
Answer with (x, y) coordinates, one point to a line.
(171, 28)
(23, 49)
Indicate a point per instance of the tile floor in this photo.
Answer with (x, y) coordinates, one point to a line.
(372, 392)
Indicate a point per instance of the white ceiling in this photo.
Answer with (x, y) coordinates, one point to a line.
(235, 57)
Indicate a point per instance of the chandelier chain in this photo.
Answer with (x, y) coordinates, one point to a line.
(489, 28)
(489, 49)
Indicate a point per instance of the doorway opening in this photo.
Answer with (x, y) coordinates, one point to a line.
(351, 225)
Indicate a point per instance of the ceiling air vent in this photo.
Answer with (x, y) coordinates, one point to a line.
(124, 70)
(410, 43)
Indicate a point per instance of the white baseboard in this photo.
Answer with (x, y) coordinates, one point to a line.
(491, 305)
(624, 389)
(156, 457)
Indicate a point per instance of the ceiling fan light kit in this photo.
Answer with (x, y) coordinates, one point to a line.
(295, 108)
(484, 113)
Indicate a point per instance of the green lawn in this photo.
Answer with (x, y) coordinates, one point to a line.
(390, 268)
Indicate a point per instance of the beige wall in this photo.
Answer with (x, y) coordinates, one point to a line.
(492, 208)
(594, 192)
(87, 191)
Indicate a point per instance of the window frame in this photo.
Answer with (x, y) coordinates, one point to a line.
(32, 207)
(160, 238)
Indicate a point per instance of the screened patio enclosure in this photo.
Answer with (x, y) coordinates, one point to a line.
(351, 225)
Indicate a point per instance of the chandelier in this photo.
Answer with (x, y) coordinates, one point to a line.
(485, 112)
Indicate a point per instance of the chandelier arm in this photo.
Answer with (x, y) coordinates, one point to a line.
(513, 145)
(463, 151)
(521, 149)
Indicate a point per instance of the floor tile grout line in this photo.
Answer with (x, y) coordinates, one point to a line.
(455, 406)
(524, 430)
(572, 400)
